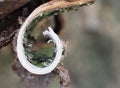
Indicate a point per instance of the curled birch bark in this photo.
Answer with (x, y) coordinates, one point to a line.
(43, 11)
(48, 9)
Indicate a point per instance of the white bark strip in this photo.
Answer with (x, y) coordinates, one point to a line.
(59, 46)
(35, 69)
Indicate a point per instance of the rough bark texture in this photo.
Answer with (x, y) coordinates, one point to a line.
(10, 5)
(10, 11)
(32, 81)
(41, 81)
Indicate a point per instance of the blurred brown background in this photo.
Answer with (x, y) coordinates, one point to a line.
(93, 51)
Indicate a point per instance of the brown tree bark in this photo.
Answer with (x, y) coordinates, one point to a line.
(10, 11)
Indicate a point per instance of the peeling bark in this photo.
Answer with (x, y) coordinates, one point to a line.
(8, 28)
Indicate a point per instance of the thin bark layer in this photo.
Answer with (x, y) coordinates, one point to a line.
(8, 27)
